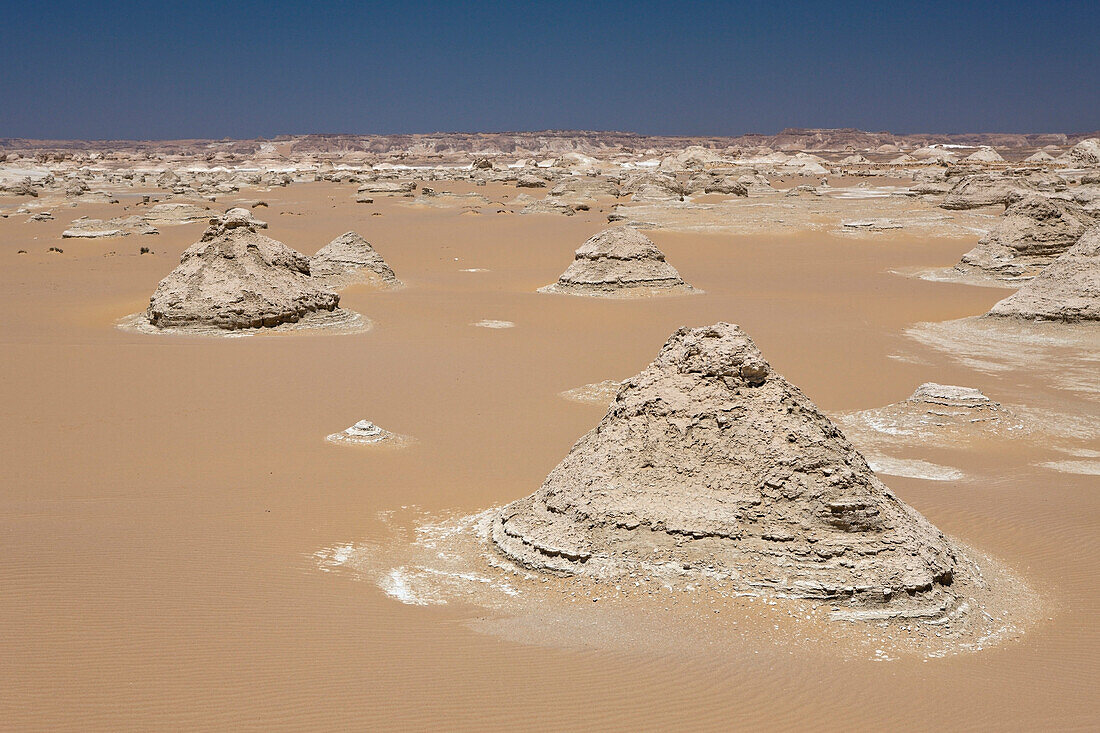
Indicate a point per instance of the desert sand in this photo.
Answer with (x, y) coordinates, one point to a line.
(182, 548)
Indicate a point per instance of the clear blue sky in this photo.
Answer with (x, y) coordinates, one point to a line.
(170, 70)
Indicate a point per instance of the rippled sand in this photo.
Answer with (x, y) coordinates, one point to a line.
(170, 505)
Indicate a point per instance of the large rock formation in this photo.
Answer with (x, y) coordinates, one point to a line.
(618, 262)
(350, 258)
(709, 460)
(235, 277)
(1032, 233)
(974, 192)
(1066, 290)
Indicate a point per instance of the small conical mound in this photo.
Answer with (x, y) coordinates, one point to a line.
(235, 277)
(1066, 290)
(985, 155)
(619, 262)
(349, 259)
(1039, 156)
(710, 460)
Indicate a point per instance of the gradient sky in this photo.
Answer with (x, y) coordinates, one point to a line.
(155, 70)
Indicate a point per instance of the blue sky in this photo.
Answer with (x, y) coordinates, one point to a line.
(247, 69)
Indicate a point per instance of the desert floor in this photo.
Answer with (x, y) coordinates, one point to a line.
(165, 498)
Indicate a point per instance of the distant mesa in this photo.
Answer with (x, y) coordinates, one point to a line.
(1066, 290)
(710, 461)
(619, 262)
(351, 259)
(235, 278)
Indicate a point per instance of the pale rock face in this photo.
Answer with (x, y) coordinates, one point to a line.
(85, 228)
(1034, 231)
(974, 192)
(363, 432)
(985, 155)
(1084, 154)
(616, 261)
(945, 405)
(235, 278)
(1040, 156)
(391, 188)
(710, 459)
(350, 258)
(176, 213)
(1066, 290)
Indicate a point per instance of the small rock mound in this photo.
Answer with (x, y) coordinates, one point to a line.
(935, 414)
(365, 432)
(710, 460)
(1066, 290)
(351, 258)
(235, 277)
(619, 262)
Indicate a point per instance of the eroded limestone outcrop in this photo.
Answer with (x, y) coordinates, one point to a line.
(619, 262)
(349, 259)
(710, 460)
(235, 277)
(1034, 231)
(1066, 290)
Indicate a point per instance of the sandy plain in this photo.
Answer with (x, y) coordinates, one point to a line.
(170, 503)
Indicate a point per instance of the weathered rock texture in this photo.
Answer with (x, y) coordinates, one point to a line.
(710, 460)
(976, 191)
(618, 262)
(1032, 233)
(1066, 290)
(235, 277)
(350, 258)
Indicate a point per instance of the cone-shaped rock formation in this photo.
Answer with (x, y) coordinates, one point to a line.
(619, 262)
(235, 277)
(350, 258)
(710, 460)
